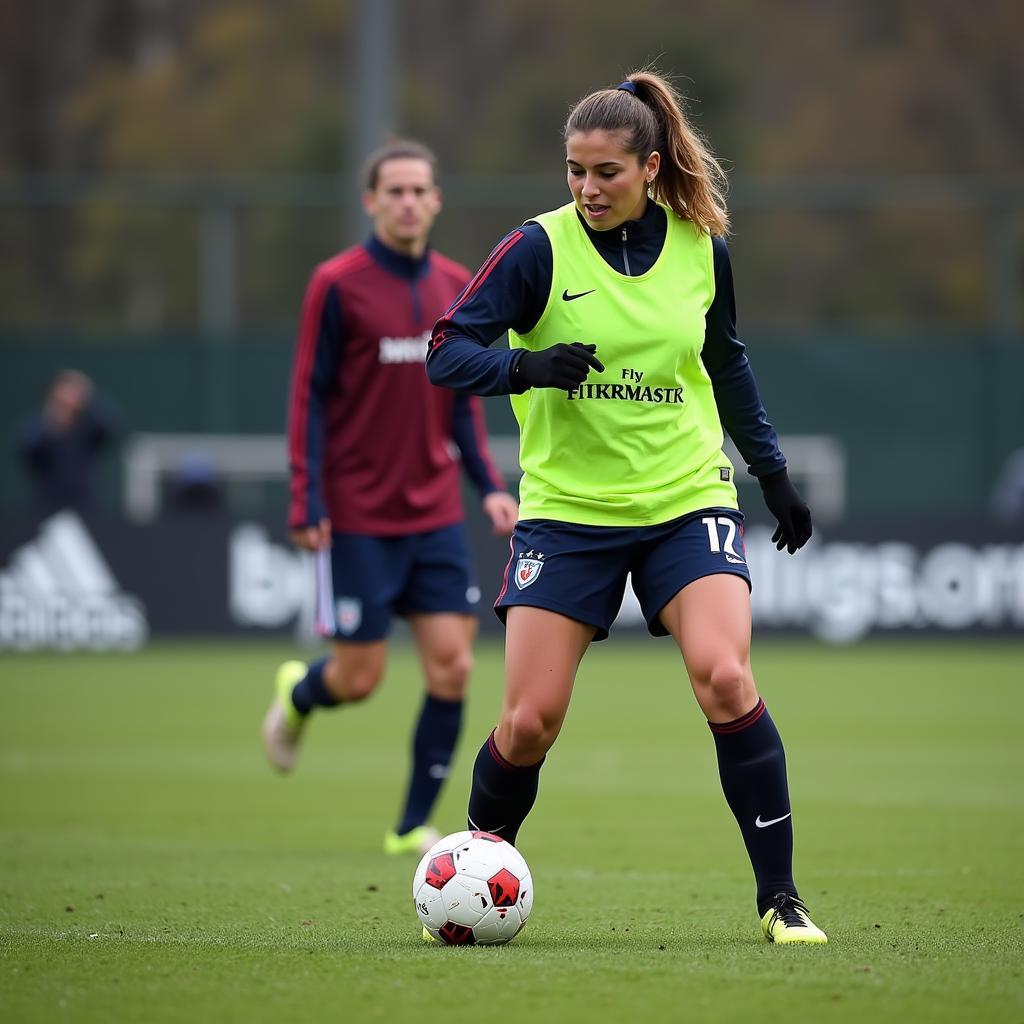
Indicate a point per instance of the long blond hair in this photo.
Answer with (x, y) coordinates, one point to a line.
(648, 112)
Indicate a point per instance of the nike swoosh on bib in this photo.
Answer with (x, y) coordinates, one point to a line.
(579, 295)
(774, 821)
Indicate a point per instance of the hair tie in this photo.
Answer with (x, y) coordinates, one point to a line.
(627, 86)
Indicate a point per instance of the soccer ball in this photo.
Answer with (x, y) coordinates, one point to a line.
(472, 888)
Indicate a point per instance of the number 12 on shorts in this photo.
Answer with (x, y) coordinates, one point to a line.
(718, 543)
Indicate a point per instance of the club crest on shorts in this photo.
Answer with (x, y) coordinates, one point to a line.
(349, 611)
(528, 568)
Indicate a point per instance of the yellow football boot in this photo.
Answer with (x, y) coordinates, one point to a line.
(417, 840)
(787, 921)
(282, 725)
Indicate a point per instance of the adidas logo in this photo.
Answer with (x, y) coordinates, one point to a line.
(58, 591)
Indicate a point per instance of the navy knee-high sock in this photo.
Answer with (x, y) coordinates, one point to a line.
(502, 793)
(433, 744)
(752, 766)
(310, 692)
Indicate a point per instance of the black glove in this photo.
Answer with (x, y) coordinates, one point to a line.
(560, 366)
(783, 501)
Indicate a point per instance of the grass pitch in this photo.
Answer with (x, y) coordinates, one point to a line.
(153, 868)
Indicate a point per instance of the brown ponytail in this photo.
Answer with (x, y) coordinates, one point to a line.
(648, 112)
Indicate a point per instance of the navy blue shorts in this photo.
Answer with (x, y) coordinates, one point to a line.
(377, 578)
(580, 571)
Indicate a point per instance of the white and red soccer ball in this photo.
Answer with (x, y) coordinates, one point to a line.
(473, 888)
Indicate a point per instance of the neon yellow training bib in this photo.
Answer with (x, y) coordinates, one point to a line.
(641, 443)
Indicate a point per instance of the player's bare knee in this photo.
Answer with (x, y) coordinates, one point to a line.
(529, 734)
(456, 669)
(459, 671)
(362, 684)
(448, 676)
(729, 688)
(353, 683)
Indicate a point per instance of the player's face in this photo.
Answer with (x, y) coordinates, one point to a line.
(608, 183)
(404, 204)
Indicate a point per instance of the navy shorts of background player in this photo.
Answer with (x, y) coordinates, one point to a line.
(377, 578)
(580, 571)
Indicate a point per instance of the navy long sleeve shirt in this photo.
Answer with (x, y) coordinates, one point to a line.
(510, 291)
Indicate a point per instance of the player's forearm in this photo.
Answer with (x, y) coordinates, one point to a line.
(306, 506)
(470, 434)
(459, 363)
(745, 420)
(306, 435)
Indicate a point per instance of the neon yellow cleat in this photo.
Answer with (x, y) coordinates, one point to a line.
(788, 922)
(427, 937)
(417, 840)
(282, 725)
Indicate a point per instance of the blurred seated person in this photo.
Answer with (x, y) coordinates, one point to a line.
(197, 487)
(59, 446)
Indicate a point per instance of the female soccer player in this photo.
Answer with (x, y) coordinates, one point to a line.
(623, 368)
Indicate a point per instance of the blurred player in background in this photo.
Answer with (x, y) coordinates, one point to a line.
(60, 446)
(374, 453)
(623, 369)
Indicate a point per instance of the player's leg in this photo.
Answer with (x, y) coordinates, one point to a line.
(439, 598)
(444, 642)
(364, 571)
(692, 581)
(543, 650)
(710, 621)
(562, 589)
(349, 674)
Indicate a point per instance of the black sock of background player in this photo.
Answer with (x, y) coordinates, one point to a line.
(309, 692)
(502, 793)
(752, 766)
(433, 744)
